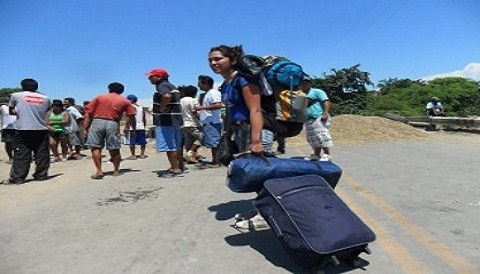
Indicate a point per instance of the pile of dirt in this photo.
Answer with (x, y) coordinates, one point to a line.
(356, 130)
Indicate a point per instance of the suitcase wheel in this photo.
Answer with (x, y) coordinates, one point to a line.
(353, 262)
(367, 250)
(316, 269)
(334, 260)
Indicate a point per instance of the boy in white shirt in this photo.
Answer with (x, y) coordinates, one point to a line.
(140, 138)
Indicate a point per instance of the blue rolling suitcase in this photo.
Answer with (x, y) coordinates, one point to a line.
(248, 173)
(314, 225)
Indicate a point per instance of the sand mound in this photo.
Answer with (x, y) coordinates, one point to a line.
(356, 129)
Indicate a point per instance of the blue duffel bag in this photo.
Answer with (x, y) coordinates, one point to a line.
(248, 172)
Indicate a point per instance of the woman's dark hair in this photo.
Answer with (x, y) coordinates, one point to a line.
(188, 91)
(205, 79)
(233, 53)
(57, 103)
(29, 84)
(116, 87)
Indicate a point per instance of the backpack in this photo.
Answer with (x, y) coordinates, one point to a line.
(282, 78)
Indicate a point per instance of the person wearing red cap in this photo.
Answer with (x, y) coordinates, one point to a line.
(168, 121)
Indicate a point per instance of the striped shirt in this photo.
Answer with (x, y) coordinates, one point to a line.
(173, 115)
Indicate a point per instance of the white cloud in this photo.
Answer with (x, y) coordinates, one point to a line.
(471, 71)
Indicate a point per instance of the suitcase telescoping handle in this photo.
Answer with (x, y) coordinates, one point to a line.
(275, 226)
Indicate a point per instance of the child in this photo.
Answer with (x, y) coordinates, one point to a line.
(139, 138)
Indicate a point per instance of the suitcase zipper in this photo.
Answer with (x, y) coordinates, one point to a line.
(280, 197)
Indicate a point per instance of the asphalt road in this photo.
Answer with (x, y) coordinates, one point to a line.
(421, 198)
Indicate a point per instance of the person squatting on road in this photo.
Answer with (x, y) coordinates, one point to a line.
(102, 122)
(434, 107)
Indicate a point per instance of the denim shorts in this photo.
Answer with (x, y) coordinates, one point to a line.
(75, 138)
(140, 139)
(212, 134)
(242, 138)
(102, 131)
(168, 138)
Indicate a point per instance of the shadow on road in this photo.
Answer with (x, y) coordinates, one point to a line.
(228, 210)
(266, 244)
(122, 171)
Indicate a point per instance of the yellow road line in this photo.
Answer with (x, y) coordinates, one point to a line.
(392, 247)
(458, 263)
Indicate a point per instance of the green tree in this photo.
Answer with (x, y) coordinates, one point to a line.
(346, 89)
(459, 96)
(389, 84)
(4, 92)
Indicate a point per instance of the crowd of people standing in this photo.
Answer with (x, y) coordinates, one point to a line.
(184, 119)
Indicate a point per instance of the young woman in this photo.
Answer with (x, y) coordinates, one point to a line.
(57, 120)
(242, 98)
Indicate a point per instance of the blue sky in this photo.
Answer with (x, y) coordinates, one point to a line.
(75, 48)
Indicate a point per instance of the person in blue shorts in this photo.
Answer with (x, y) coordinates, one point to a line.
(168, 121)
(210, 117)
(138, 139)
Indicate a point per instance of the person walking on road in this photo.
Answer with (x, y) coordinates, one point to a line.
(102, 122)
(31, 135)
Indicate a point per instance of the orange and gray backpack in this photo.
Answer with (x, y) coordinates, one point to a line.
(280, 77)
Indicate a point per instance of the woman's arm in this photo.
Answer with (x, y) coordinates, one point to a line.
(66, 119)
(251, 95)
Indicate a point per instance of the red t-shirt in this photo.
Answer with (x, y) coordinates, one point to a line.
(109, 106)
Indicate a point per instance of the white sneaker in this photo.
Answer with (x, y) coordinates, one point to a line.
(325, 157)
(246, 215)
(255, 223)
(312, 158)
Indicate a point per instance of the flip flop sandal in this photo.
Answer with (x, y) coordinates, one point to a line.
(97, 176)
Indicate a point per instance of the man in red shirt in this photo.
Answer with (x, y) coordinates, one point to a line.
(102, 122)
